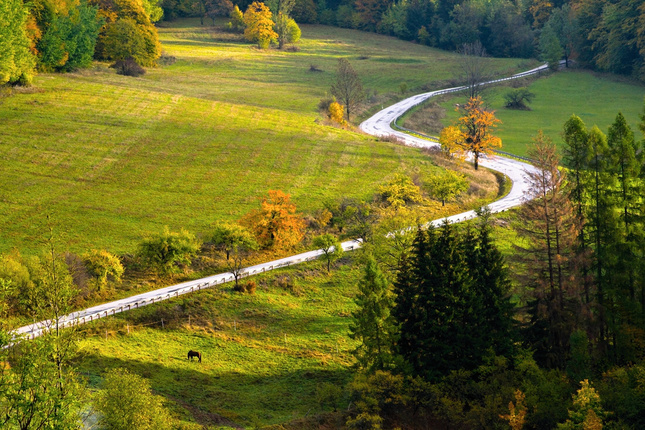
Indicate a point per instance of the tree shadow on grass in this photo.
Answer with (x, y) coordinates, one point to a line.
(231, 398)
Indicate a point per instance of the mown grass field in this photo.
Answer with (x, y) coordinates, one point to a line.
(594, 98)
(112, 158)
(264, 355)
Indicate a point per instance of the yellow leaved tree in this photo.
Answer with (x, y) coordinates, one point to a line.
(473, 132)
(259, 26)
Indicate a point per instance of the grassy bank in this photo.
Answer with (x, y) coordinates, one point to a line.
(264, 355)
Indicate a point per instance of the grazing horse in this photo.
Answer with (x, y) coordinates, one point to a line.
(192, 354)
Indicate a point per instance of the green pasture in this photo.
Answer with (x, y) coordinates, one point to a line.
(264, 355)
(594, 98)
(111, 158)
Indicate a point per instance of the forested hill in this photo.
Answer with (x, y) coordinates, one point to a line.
(601, 34)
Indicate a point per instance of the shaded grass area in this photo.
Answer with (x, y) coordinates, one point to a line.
(594, 98)
(264, 355)
(112, 158)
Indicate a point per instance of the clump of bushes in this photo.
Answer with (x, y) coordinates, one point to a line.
(519, 98)
(128, 67)
(248, 287)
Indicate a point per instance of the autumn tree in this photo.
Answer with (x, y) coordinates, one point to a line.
(399, 191)
(276, 224)
(258, 25)
(549, 225)
(348, 88)
(330, 246)
(473, 132)
(128, 32)
(237, 20)
(16, 60)
(337, 113)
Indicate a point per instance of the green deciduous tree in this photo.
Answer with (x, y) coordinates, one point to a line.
(167, 251)
(126, 402)
(518, 98)
(348, 88)
(550, 48)
(330, 246)
(372, 324)
(16, 61)
(69, 39)
(447, 185)
(226, 236)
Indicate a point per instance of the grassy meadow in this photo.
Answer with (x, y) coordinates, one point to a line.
(594, 98)
(111, 158)
(264, 356)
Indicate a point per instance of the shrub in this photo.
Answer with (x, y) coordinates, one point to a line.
(323, 104)
(102, 266)
(518, 98)
(337, 113)
(128, 67)
(314, 68)
(126, 402)
(400, 191)
(167, 251)
(237, 20)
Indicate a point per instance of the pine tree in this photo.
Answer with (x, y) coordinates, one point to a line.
(550, 48)
(373, 326)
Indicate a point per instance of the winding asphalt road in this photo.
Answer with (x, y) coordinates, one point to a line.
(378, 125)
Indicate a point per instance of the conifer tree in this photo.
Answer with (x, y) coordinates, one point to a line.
(548, 223)
(373, 326)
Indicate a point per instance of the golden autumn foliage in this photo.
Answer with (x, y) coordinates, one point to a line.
(473, 132)
(517, 412)
(276, 224)
(337, 113)
(259, 26)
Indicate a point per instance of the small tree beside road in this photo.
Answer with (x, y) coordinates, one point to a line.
(330, 246)
(473, 132)
(348, 88)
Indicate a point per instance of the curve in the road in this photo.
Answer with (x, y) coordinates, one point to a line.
(378, 125)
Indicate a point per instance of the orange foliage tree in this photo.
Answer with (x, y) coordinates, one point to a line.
(473, 132)
(276, 224)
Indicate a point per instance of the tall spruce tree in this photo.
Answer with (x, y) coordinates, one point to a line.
(373, 326)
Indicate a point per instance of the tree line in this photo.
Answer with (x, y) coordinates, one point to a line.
(600, 34)
(454, 335)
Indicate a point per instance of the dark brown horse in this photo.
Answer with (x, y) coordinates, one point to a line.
(192, 354)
